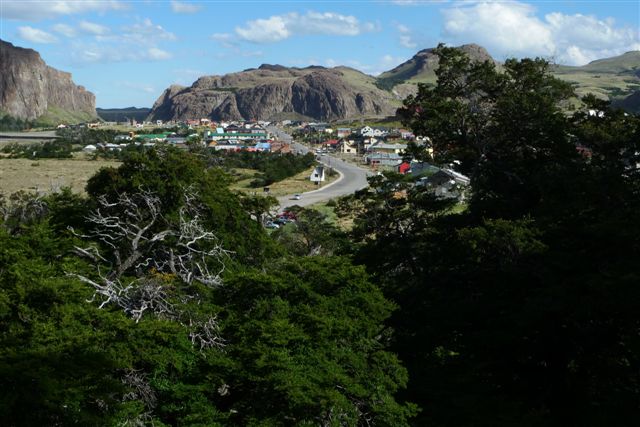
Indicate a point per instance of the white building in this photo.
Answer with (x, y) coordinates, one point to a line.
(318, 174)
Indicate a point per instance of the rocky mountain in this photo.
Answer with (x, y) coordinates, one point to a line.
(277, 92)
(30, 89)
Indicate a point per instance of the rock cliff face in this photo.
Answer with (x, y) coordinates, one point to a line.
(274, 91)
(29, 88)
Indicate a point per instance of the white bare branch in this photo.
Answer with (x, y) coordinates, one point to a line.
(140, 388)
(206, 334)
(139, 242)
(21, 208)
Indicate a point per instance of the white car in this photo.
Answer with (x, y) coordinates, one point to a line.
(296, 197)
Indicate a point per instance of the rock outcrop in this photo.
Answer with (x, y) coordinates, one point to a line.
(29, 88)
(421, 68)
(274, 91)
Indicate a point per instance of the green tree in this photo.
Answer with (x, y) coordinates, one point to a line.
(118, 336)
(309, 347)
(523, 309)
(167, 172)
(505, 128)
(312, 234)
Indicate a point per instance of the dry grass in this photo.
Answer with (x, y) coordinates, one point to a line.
(43, 175)
(296, 184)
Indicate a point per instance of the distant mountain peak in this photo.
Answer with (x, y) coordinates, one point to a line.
(272, 67)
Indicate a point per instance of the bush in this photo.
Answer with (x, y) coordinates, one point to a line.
(48, 150)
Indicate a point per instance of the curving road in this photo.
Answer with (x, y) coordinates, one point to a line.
(352, 178)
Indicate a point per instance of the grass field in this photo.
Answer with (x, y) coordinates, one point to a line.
(44, 175)
(296, 184)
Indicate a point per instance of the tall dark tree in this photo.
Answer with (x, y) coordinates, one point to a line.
(523, 309)
(504, 127)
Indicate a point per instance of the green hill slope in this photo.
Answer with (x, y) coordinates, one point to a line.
(613, 78)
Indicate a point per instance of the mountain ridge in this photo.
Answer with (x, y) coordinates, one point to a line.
(320, 93)
(30, 89)
(275, 91)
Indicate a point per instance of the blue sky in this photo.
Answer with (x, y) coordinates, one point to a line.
(127, 52)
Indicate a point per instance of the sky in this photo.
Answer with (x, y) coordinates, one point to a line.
(128, 52)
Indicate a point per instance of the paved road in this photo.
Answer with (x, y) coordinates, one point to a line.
(352, 178)
(29, 135)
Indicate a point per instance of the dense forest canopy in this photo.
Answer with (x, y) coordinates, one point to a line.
(159, 298)
(523, 309)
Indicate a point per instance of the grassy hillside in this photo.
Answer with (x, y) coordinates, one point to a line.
(612, 78)
(609, 78)
(55, 116)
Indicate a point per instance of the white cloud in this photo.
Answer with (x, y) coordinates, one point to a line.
(513, 29)
(35, 35)
(281, 27)
(147, 31)
(406, 41)
(108, 54)
(509, 28)
(265, 30)
(182, 7)
(406, 38)
(416, 2)
(157, 54)
(47, 9)
(382, 64)
(65, 30)
(226, 40)
(330, 62)
(93, 28)
(136, 42)
(581, 39)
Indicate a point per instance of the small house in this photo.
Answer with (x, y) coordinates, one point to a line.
(318, 174)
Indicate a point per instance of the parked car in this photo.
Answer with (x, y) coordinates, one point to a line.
(271, 225)
(296, 197)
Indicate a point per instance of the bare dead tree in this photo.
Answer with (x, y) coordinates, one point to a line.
(132, 246)
(21, 208)
(206, 334)
(140, 389)
(126, 228)
(195, 247)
